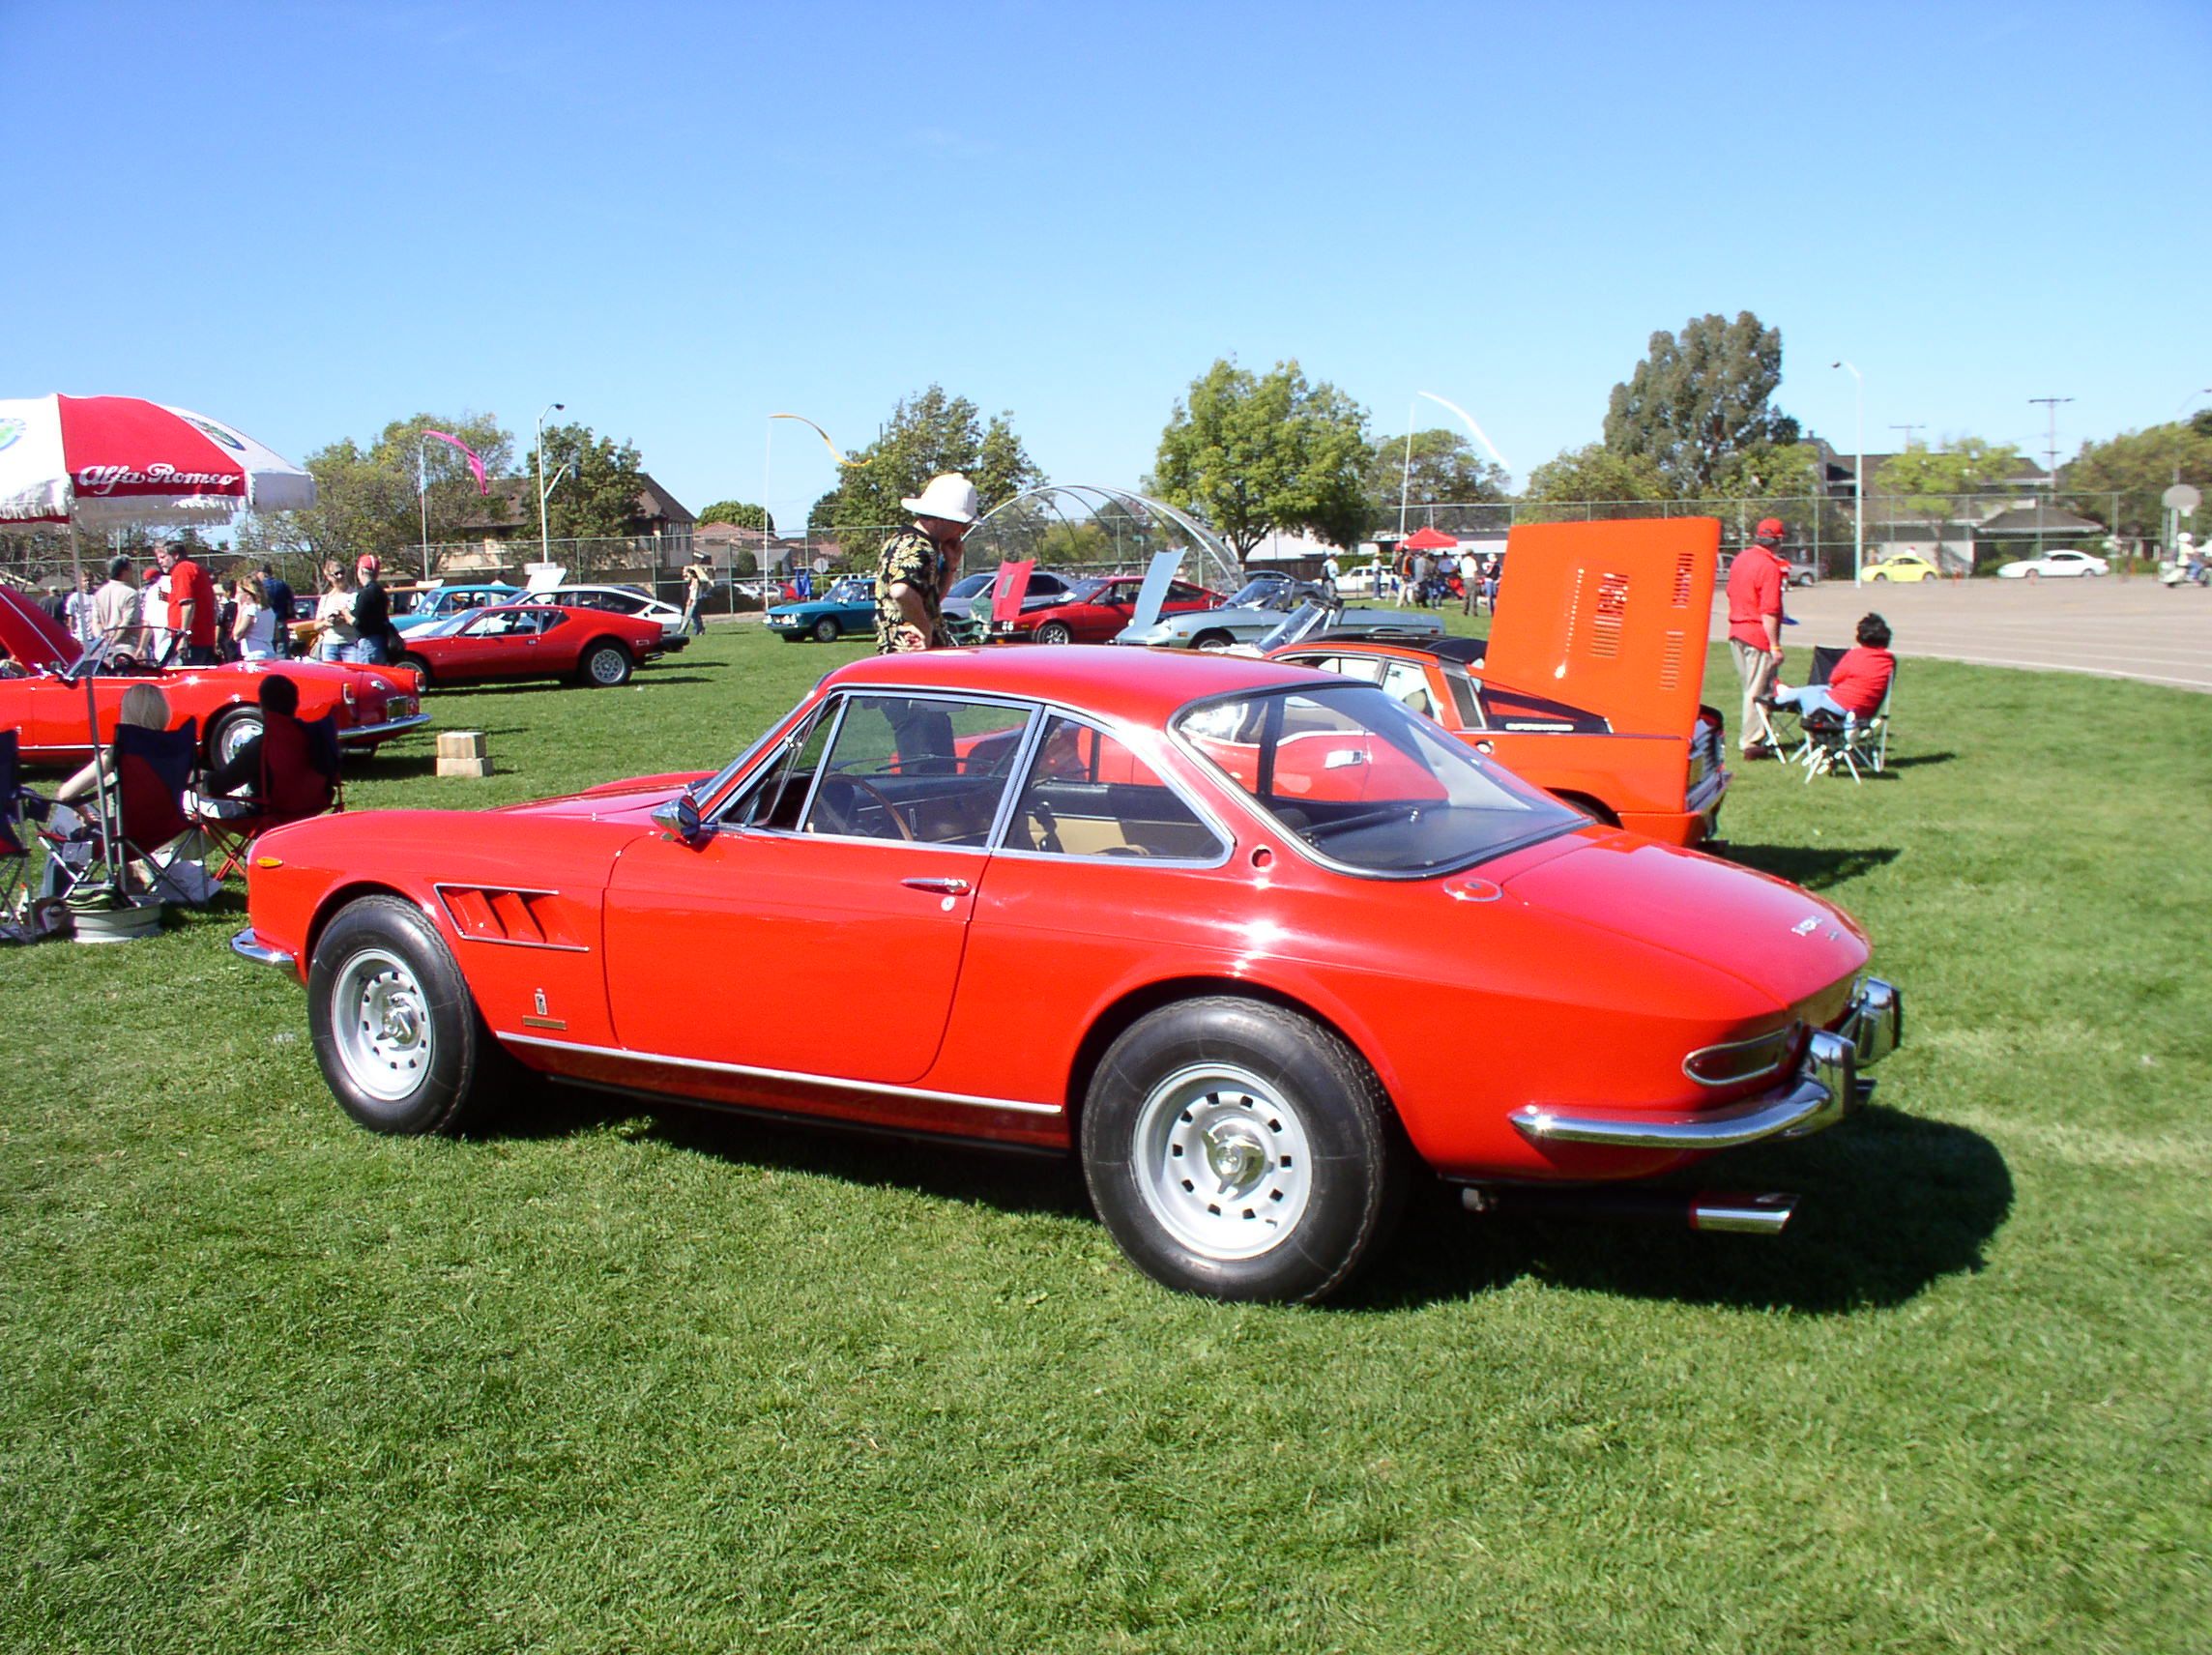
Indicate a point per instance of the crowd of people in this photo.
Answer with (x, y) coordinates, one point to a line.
(165, 609)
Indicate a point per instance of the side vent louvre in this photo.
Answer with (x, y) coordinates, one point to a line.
(527, 918)
(1682, 564)
(1606, 616)
(1670, 660)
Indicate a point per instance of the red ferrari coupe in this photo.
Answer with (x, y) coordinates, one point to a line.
(42, 693)
(591, 647)
(1270, 908)
(1096, 611)
(1611, 620)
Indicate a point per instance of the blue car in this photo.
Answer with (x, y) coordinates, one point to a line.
(427, 603)
(847, 609)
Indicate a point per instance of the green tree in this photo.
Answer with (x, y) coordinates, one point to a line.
(737, 513)
(599, 497)
(2140, 466)
(1593, 481)
(454, 504)
(1694, 401)
(927, 434)
(362, 506)
(1255, 454)
(1445, 470)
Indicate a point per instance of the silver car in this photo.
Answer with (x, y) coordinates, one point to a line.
(1262, 606)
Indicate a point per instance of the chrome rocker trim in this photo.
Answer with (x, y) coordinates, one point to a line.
(1826, 1088)
(375, 731)
(247, 946)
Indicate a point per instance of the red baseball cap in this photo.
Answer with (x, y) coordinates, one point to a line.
(1769, 528)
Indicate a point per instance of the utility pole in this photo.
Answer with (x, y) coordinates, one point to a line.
(1909, 431)
(2051, 454)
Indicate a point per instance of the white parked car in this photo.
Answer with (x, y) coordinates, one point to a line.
(616, 600)
(2059, 564)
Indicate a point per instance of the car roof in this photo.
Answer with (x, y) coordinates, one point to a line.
(1380, 640)
(1143, 685)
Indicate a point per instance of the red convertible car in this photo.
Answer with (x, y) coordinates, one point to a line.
(1097, 611)
(1612, 620)
(1299, 943)
(42, 693)
(593, 646)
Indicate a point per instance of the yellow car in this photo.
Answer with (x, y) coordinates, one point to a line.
(1904, 566)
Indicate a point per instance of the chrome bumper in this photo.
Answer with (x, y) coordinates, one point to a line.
(1827, 1087)
(247, 946)
(377, 732)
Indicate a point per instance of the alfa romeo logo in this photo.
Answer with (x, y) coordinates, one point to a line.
(10, 430)
(211, 428)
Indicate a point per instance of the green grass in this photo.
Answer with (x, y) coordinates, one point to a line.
(621, 1378)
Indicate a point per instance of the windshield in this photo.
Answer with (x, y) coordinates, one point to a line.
(1367, 784)
(972, 585)
(446, 626)
(1259, 593)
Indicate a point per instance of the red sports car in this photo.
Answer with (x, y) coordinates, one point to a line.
(1097, 611)
(1589, 682)
(1299, 943)
(535, 640)
(42, 693)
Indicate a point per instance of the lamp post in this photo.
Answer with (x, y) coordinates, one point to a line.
(1858, 477)
(544, 537)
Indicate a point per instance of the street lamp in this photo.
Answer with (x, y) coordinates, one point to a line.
(1858, 477)
(544, 539)
(2191, 397)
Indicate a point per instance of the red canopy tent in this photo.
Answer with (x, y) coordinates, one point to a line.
(1430, 539)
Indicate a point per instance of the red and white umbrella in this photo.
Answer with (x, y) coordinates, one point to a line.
(108, 461)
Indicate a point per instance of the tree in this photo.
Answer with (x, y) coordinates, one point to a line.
(2140, 466)
(1610, 483)
(360, 507)
(1256, 453)
(1445, 470)
(598, 500)
(927, 434)
(1694, 401)
(737, 513)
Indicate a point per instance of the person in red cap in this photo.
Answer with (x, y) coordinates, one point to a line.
(192, 606)
(1754, 584)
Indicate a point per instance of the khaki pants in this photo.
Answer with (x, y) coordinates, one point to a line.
(1754, 668)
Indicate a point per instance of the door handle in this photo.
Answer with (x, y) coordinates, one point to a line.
(941, 886)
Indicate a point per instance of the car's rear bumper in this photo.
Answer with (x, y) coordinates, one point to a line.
(361, 735)
(1825, 1087)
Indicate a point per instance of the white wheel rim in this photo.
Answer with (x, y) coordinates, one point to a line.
(1056, 634)
(1222, 1161)
(606, 666)
(382, 1025)
(235, 735)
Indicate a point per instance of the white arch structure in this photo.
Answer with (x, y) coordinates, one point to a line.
(1219, 569)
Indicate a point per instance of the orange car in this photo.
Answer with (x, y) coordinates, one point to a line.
(1612, 620)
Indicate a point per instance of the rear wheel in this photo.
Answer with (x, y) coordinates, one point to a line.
(606, 665)
(827, 631)
(1242, 1152)
(228, 738)
(421, 667)
(1056, 632)
(394, 1028)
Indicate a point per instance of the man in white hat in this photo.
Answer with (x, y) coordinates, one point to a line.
(912, 572)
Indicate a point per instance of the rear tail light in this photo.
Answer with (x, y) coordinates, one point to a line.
(1743, 1060)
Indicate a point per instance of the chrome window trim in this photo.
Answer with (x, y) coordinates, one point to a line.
(837, 1083)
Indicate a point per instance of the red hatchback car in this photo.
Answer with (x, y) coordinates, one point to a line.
(535, 640)
(1264, 904)
(1097, 611)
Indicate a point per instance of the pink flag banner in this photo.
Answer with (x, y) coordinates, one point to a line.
(476, 460)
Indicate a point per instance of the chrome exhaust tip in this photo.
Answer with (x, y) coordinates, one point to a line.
(1725, 1212)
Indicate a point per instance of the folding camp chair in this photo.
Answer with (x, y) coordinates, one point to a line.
(1857, 745)
(148, 771)
(299, 777)
(15, 852)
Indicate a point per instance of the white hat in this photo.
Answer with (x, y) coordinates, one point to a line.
(949, 496)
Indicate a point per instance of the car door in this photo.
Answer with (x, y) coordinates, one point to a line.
(841, 878)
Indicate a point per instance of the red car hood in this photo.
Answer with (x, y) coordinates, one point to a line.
(35, 638)
(1763, 931)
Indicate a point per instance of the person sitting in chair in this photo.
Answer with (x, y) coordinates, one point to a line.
(143, 706)
(1856, 683)
(274, 774)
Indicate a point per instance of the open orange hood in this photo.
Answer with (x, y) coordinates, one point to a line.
(1610, 617)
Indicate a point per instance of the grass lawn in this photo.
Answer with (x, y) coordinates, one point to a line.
(619, 1378)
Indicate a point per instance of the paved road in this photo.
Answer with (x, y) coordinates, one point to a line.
(2109, 627)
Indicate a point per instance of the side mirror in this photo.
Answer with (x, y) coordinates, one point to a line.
(681, 818)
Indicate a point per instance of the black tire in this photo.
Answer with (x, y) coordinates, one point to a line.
(1217, 639)
(605, 665)
(231, 731)
(430, 1065)
(827, 631)
(1056, 632)
(1276, 1115)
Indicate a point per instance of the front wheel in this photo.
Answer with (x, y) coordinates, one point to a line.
(1056, 632)
(827, 631)
(1242, 1152)
(1213, 640)
(394, 1028)
(605, 666)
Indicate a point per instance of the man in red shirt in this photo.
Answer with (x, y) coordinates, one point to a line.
(1855, 684)
(192, 606)
(1755, 582)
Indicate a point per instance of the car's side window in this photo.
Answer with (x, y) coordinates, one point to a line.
(775, 800)
(1409, 686)
(922, 768)
(548, 619)
(1465, 697)
(1087, 795)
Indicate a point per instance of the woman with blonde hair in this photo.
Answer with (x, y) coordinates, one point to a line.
(144, 706)
(335, 641)
(255, 628)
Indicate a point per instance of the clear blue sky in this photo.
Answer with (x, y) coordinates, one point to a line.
(314, 219)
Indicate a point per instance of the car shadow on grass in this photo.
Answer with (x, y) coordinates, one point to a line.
(1816, 867)
(1892, 1204)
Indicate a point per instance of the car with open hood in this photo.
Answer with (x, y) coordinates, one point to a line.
(1589, 683)
(43, 700)
(513, 642)
(1094, 610)
(1301, 946)
(1258, 608)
